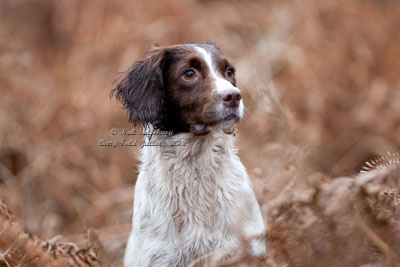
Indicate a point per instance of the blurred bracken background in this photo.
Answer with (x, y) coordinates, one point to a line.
(321, 86)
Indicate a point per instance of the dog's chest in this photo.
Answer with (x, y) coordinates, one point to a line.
(198, 188)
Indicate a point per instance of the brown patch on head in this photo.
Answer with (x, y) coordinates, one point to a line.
(175, 88)
(192, 99)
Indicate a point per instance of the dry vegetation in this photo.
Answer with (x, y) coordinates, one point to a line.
(321, 82)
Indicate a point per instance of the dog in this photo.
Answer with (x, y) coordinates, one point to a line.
(193, 196)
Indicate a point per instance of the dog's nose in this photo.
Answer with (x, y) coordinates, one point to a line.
(231, 98)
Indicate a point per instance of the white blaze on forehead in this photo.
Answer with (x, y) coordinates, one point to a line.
(221, 84)
(207, 58)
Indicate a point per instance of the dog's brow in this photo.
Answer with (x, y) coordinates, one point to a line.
(208, 59)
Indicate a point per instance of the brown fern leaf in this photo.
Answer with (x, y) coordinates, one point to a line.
(391, 158)
(19, 249)
(75, 256)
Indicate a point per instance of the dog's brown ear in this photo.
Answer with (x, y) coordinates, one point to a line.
(141, 90)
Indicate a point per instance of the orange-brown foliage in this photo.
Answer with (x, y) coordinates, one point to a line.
(321, 89)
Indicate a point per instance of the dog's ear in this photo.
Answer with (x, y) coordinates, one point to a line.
(141, 90)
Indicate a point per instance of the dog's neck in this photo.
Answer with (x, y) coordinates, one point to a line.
(188, 146)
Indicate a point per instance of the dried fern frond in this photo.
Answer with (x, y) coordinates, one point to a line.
(391, 158)
(70, 251)
(19, 249)
(310, 231)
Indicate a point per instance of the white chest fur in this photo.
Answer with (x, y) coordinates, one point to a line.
(191, 200)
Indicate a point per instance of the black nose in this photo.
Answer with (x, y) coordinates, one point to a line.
(231, 98)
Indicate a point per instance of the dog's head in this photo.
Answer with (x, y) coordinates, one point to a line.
(182, 88)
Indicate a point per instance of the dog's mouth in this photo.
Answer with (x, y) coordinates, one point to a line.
(199, 128)
(227, 124)
(230, 117)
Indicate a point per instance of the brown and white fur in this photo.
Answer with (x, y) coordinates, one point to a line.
(194, 198)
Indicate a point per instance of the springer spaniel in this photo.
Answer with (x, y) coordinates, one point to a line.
(193, 196)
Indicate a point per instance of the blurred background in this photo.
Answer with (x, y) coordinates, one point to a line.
(320, 82)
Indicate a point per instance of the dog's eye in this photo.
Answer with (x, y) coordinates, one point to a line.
(229, 72)
(189, 74)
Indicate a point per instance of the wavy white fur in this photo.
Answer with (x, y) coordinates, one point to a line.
(190, 201)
